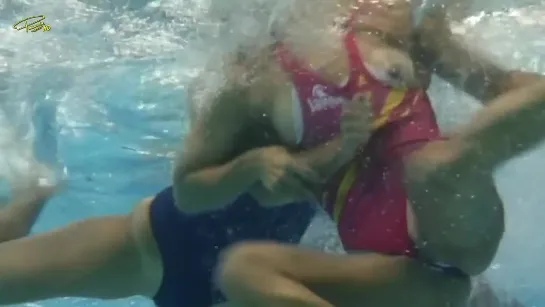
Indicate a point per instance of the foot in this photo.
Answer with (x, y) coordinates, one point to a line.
(28, 197)
(40, 184)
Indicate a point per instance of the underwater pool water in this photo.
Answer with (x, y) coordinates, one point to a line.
(101, 95)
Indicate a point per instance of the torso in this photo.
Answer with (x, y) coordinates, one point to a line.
(334, 83)
(306, 112)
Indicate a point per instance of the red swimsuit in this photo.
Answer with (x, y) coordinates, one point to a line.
(370, 205)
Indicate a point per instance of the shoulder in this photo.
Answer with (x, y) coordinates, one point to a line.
(229, 91)
(211, 93)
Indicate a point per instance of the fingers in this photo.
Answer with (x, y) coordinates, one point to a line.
(357, 116)
(291, 187)
(295, 189)
(358, 136)
(358, 107)
(293, 171)
(354, 122)
(359, 101)
(305, 173)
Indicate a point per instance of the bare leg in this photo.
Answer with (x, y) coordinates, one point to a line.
(18, 217)
(459, 218)
(272, 275)
(98, 257)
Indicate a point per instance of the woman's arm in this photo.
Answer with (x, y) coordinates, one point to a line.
(203, 178)
(450, 57)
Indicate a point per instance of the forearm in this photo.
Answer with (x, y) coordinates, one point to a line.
(477, 76)
(214, 187)
(518, 79)
(509, 125)
(450, 59)
(470, 71)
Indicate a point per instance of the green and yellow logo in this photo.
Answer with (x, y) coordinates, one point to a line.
(32, 24)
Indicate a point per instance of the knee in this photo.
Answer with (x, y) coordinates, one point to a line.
(237, 261)
(233, 258)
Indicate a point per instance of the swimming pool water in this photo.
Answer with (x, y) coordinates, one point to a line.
(102, 95)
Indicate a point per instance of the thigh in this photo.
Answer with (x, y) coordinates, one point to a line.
(365, 279)
(92, 258)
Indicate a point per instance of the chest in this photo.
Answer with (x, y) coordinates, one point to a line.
(309, 105)
(306, 114)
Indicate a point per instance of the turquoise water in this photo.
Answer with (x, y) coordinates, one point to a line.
(101, 95)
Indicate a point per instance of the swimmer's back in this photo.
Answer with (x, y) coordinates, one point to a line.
(190, 244)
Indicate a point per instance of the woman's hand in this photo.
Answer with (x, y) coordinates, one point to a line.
(356, 124)
(285, 177)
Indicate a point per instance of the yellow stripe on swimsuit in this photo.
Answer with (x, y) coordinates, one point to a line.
(348, 180)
